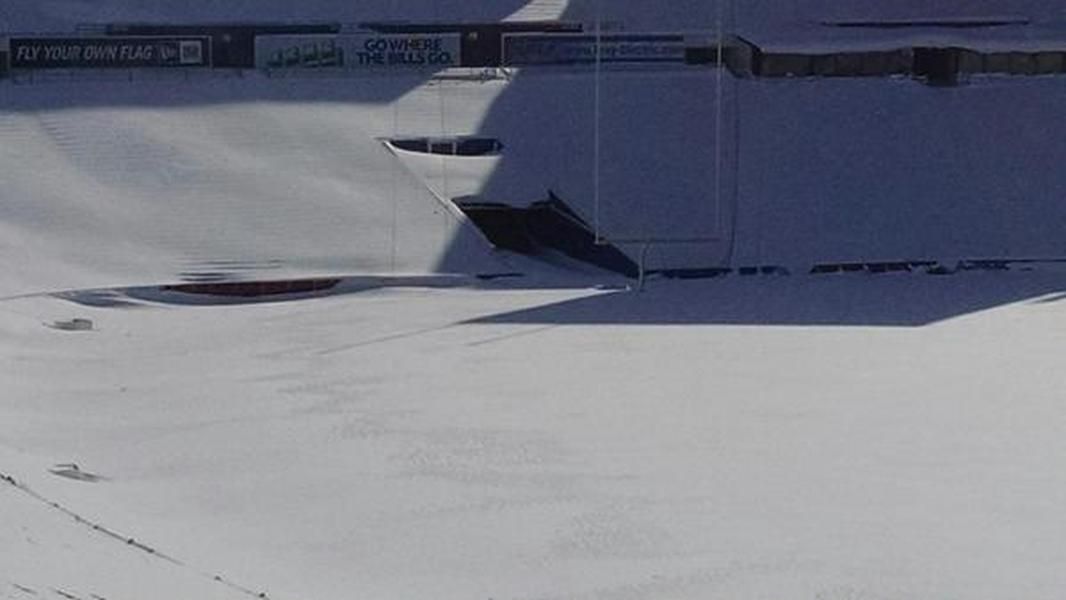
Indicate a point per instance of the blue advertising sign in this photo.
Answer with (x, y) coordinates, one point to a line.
(556, 49)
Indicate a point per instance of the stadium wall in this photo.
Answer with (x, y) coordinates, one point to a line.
(4, 58)
(232, 45)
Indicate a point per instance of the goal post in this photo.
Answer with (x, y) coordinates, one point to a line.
(665, 141)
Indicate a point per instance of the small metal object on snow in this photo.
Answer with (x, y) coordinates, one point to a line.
(73, 325)
(72, 471)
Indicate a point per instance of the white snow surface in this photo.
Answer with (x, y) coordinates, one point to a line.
(847, 437)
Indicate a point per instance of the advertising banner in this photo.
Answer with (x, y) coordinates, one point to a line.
(109, 52)
(555, 49)
(356, 52)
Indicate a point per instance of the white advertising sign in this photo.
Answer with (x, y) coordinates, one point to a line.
(362, 51)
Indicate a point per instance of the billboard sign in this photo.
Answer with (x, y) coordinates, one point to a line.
(357, 52)
(109, 52)
(565, 49)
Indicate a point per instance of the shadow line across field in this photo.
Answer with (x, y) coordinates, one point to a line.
(911, 300)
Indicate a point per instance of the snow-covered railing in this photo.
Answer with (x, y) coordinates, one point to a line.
(937, 54)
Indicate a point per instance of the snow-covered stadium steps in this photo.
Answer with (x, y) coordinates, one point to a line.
(147, 181)
(883, 170)
(157, 181)
(180, 180)
(38, 192)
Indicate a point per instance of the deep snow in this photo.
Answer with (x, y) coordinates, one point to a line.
(556, 443)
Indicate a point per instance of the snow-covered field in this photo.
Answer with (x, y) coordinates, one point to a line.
(847, 437)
